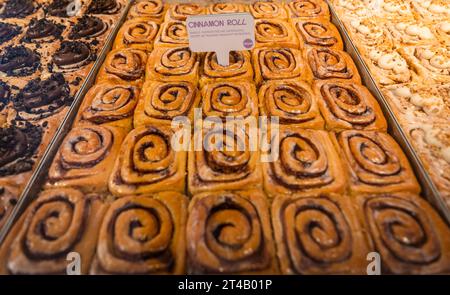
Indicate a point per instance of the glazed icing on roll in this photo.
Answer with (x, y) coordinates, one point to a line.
(308, 8)
(177, 61)
(18, 8)
(104, 7)
(19, 61)
(88, 27)
(8, 32)
(72, 55)
(43, 28)
(326, 63)
(175, 33)
(148, 8)
(126, 64)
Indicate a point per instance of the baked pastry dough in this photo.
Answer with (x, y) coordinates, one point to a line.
(406, 231)
(293, 102)
(230, 7)
(346, 105)
(123, 66)
(137, 33)
(376, 163)
(369, 33)
(307, 163)
(332, 64)
(394, 10)
(239, 68)
(268, 9)
(442, 31)
(230, 233)
(318, 234)
(150, 9)
(180, 11)
(161, 102)
(351, 9)
(411, 32)
(85, 158)
(318, 32)
(147, 163)
(173, 64)
(275, 33)
(230, 99)
(172, 34)
(9, 195)
(279, 64)
(58, 222)
(389, 67)
(143, 235)
(227, 160)
(308, 8)
(430, 10)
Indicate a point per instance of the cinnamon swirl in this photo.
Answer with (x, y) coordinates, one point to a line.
(267, 9)
(180, 11)
(150, 9)
(173, 33)
(332, 64)
(230, 7)
(230, 232)
(318, 32)
(275, 33)
(376, 163)
(137, 33)
(308, 8)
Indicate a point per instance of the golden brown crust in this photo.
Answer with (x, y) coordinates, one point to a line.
(9, 195)
(275, 33)
(173, 33)
(230, 232)
(317, 32)
(308, 9)
(268, 9)
(231, 7)
(151, 9)
(181, 11)
(137, 33)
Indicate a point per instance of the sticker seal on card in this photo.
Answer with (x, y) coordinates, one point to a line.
(221, 33)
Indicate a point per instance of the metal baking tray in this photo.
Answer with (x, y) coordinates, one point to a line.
(429, 190)
(39, 175)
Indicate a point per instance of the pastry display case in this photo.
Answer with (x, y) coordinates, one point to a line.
(90, 91)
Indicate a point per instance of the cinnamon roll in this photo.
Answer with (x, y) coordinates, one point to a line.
(431, 10)
(9, 195)
(123, 66)
(308, 163)
(294, 103)
(279, 64)
(230, 7)
(148, 163)
(406, 231)
(58, 222)
(429, 62)
(230, 233)
(376, 163)
(239, 68)
(19, 61)
(332, 64)
(161, 102)
(318, 32)
(226, 160)
(229, 99)
(150, 9)
(143, 235)
(267, 9)
(388, 67)
(180, 11)
(308, 8)
(109, 104)
(137, 33)
(73, 55)
(173, 65)
(85, 158)
(346, 105)
(275, 33)
(442, 31)
(172, 34)
(318, 234)
(411, 32)
(395, 9)
(369, 33)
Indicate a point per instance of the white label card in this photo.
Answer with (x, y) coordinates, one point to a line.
(221, 33)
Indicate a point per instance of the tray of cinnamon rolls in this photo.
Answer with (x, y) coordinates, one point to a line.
(126, 192)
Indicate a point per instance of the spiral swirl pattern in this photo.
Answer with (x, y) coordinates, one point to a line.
(279, 64)
(219, 8)
(139, 235)
(72, 55)
(126, 64)
(239, 67)
(181, 11)
(228, 233)
(19, 61)
(309, 8)
(174, 64)
(138, 32)
(152, 9)
(263, 9)
(326, 63)
(319, 33)
(173, 33)
(271, 32)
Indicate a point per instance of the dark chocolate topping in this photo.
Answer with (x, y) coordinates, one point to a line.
(43, 97)
(41, 29)
(58, 8)
(18, 8)
(19, 61)
(71, 53)
(87, 26)
(8, 31)
(4, 95)
(103, 7)
(17, 147)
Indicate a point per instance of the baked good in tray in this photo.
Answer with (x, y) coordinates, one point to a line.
(155, 247)
(442, 30)
(268, 9)
(411, 32)
(239, 68)
(68, 221)
(328, 64)
(173, 64)
(318, 234)
(369, 33)
(279, 64)
(431, 9)
(349, 9)
(317, 32)
(180, 11)
(85, 158)
(153, 10)
(137, 33)
(347, 105)
(216, 223)
(18, 61)
(227, 160)
(148, 163)
(407, 232)
(124, 66)
(230, 7)
(9, 196)
(308, 9)
(161, 102)
(394, 10)
(275, 33)
(293, 102)
(21, 9)
(173, 33)
(376, 163)
(307, 162)
(109, 104)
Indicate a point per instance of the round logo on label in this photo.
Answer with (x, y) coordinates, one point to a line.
(248, 43)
